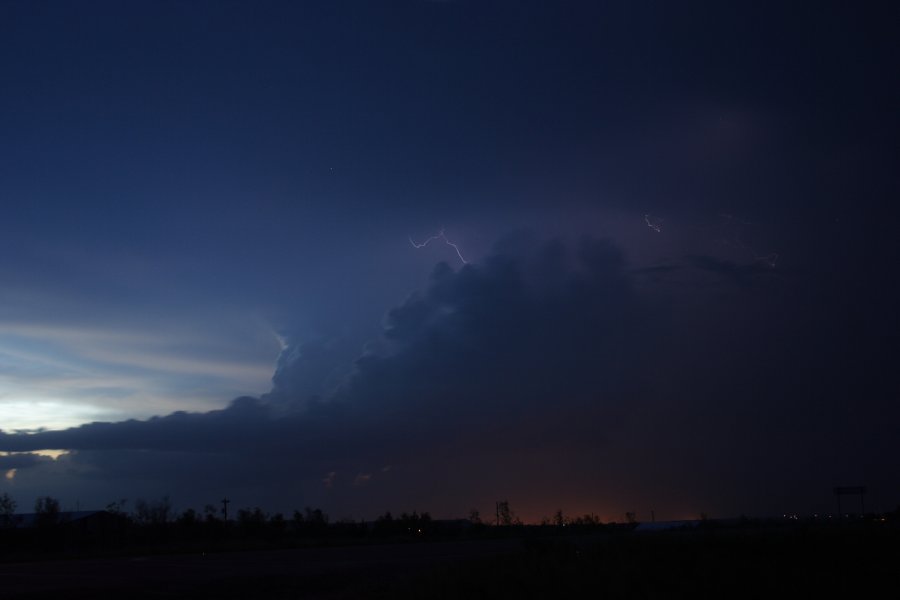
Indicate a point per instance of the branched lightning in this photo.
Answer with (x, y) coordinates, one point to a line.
(440, 236)
(425, 243)
(653, 223)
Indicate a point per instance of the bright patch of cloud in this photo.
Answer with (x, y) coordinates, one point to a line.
(46, 413)
(59, 375)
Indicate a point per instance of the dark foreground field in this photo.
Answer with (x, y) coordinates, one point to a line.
(800, 562)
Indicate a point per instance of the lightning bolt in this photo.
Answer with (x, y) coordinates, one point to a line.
(440, 236)
(653, 223)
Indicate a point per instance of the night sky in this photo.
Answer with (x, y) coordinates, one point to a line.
(660, 271)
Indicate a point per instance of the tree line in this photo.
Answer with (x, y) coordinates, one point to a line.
(155, 523)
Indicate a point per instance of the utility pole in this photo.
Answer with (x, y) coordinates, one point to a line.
(225, 502)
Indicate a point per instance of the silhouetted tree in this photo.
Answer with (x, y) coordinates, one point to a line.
(297, 521)
(7, 510)
(153, 513)
(313, 521)
(278, 524)
(416, 524)
(558, 519)
(46, 511)
(117, 507)
(316, 516)
(251, 521)
(188, 518)
(384, 524)
(586, 520)
(210, 513)
(475, 516)
(406, 524)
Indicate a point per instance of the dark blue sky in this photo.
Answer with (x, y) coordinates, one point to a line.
(678, 217)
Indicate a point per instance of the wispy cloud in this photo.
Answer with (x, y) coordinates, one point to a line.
(61, 374)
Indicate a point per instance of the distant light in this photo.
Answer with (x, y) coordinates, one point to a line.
(11, 474)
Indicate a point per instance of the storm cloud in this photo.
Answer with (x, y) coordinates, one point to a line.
(529, 375)
(529, 349)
